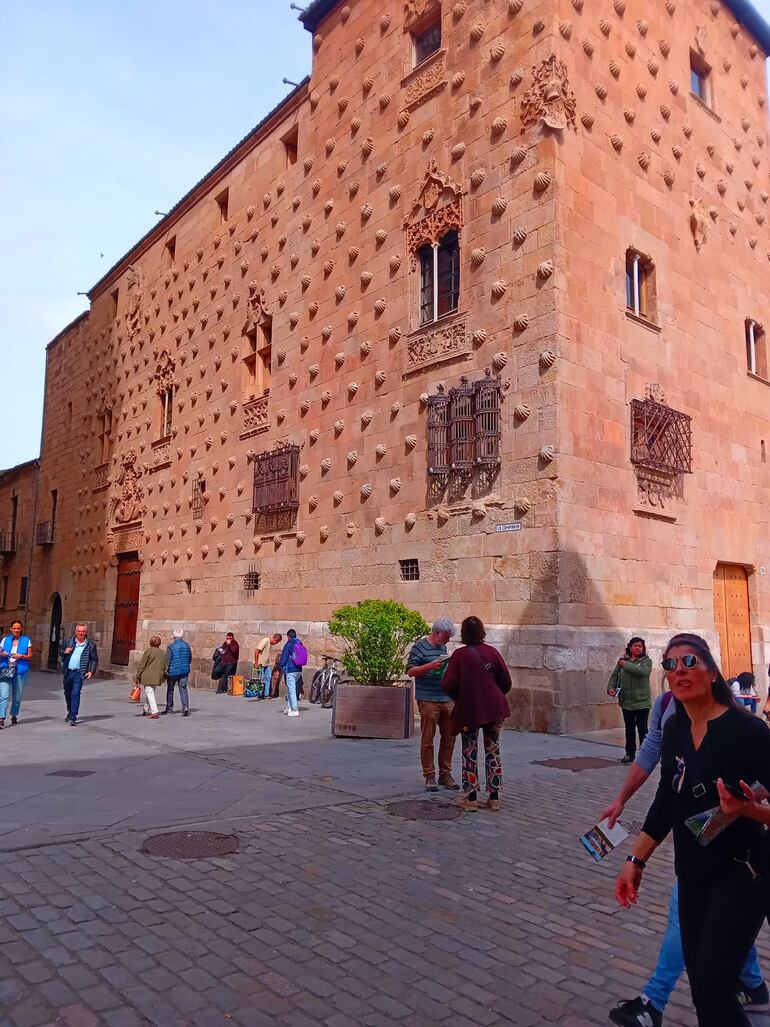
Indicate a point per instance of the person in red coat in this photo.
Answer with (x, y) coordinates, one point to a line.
(478, 680)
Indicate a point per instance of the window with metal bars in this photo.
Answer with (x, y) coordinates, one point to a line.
(198, 489)
(661, 438)
(276, 481)
(251, 581)
(464, 427)
(439, 278)
(409, 570)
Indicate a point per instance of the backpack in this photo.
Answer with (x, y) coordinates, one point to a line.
(299, 654)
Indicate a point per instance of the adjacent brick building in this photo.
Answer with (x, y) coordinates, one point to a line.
(473, 320)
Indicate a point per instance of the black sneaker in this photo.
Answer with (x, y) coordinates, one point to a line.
(754, 1000)
(185, 713)
(164, 712)
(73, 722)
(14, 721)
(68, 718)
(636, 1012)
(627, 759)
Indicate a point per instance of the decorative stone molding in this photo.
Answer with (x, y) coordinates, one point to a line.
(438, 345)
(436, 210)
(550, 99)
(422, 84)
(255, 417)
(161, 455)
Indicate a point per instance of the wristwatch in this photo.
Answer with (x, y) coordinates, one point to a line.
(641, 863)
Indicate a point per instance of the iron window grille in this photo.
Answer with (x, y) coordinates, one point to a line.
(198, 489)
(464, 427)
(409, 570)
(439, 278)
(44, 533)
(661, 438)
(251, 581)
(276, 481)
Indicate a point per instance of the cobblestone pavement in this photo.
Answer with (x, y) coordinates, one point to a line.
(333, 911)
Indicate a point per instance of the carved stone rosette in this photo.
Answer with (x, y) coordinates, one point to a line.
(438, 345)
(550, 99)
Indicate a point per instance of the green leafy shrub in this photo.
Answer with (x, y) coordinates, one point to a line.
(378, 633)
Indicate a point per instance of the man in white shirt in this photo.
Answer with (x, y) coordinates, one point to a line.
(263, 663)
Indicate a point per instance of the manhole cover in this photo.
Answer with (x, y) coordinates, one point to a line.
(190, 844)
(577, 763)
(70, 773)
(415, 809)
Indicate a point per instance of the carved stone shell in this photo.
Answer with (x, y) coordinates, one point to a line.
(379, 307)
(477, 178)
(565, 29)
(410, 520)
(644, 159)
(547, 454)
(394, 334)
(394, 195)
(478, 256)
(499, 288)
(522, 506)
(339, 359)
(380, 236)
(499, 361)
(521, 323)
(499, 206)
(587, 121)
(352, 388)
(497, 52)
(381, 449)
(518, 154)
(547, 358)
(479, 337)
(519, 234)
(395, 262)
(367, 146)
(366, 278)
(477, 32)
(588, 48)
(366, 418)
(380, 524)
(394, 485)
(366, 490)
(380, 377)
(339, 427)
(457, 151)
(353, 317)
(542, 180)
(522, 412)
(326, 334)
(617, 143)
(411, 441)
(545, 269)
(324, 533)
(365, 348)
(499, 126)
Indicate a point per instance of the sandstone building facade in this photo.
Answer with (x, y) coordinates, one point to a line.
(476, 319)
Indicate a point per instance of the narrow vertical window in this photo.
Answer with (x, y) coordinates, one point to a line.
(169, 252)
(166, 411)
(439, 278)
(54, 505)
(23, 592)
(14, 519)
(223, 203)
(290, 145)
(5, 592)
(640, 285)
(700, 80)
(426, 40)
(756, 349)
(114, 297)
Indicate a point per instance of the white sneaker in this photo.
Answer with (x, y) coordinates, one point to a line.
(293, 713)
(284, 712)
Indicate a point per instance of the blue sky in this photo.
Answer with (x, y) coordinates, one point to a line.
(111, 111)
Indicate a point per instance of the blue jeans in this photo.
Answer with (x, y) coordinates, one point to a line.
(5, 694)
(17, 688)
(73, 683)
(266, 673)
(292, 677)
(671, 962)
(181, 681)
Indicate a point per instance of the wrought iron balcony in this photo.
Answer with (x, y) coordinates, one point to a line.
(44, 533)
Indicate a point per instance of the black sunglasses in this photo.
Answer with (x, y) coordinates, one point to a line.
(688, 660)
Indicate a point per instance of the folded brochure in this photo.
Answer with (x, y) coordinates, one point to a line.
(602, 839)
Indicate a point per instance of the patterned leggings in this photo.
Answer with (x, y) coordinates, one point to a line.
(494, 768)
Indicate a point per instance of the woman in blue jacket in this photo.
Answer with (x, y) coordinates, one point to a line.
(15, 653)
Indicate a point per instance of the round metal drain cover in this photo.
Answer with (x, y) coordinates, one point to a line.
(190, 844)
(416, 809)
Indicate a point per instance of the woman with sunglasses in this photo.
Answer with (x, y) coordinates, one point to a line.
(712, 752)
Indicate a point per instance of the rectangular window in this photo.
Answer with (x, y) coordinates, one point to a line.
(700, 79)
(23, 592)
(14, 520)
(756, 349)
(427, 40)
(4, 603)
(114, 297)
(166, 411)
(439, 278)
(223, 203)
(640, 285)
(409, 570)
(198, 491)
(258, 360)
(54, 504)
(169, 252)
(290, 145)
(105, 435)
(251, 581)
(661, 438)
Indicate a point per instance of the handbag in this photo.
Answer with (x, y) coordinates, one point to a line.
(135, 695)
(253, 690)
(7, 673)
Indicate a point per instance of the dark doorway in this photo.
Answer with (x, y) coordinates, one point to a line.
(54, 637)
(126, 608)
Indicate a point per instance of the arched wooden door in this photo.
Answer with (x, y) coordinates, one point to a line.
(732, 616)
(54, 636)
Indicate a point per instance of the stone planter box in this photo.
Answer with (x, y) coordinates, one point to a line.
(377, 711)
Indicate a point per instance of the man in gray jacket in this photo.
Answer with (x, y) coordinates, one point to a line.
(646, 1010)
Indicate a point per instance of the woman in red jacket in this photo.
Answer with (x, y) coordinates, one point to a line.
(478, 680)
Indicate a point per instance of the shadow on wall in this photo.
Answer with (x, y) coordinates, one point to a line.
(566, 643)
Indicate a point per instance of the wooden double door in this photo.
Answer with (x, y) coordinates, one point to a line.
(126, 608)
(732, 616)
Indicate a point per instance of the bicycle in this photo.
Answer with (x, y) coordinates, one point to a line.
(324, 682)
